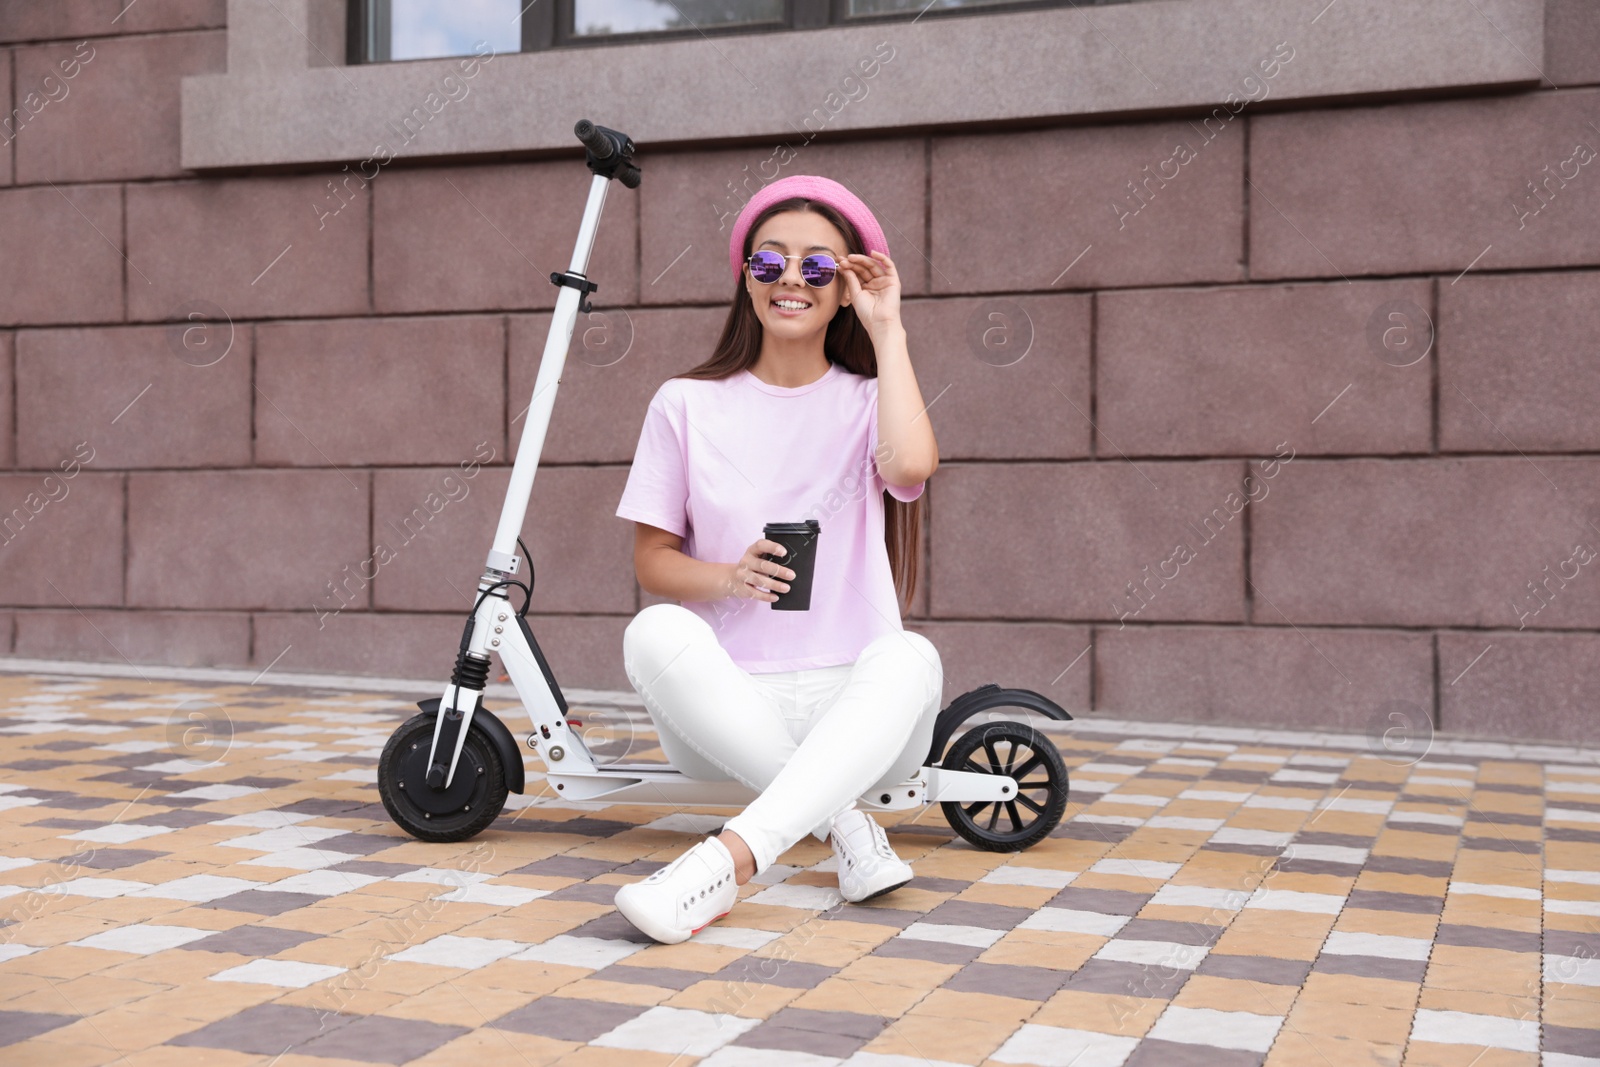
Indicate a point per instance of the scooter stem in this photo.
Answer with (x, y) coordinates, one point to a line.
(502, 556)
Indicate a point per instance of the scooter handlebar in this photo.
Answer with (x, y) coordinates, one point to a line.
(593, 139)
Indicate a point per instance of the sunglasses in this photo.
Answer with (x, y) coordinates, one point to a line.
(817, 269)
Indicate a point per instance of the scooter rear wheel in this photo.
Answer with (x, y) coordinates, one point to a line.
(458, 813)
(1018, 751)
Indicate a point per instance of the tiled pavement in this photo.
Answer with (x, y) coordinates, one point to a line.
(1215, 897)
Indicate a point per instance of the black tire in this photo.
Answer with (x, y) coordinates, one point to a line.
(473, 800)
(1019, 751)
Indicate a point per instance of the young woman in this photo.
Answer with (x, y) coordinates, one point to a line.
(807, 409)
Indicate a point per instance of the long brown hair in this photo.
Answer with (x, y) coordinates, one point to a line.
(846, 343)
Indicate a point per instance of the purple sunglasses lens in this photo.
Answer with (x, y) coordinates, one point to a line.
(818, 270)
(766, 266)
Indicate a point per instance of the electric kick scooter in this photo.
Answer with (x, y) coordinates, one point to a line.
(444, 775)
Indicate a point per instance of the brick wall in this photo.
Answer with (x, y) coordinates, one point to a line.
(1185, 473)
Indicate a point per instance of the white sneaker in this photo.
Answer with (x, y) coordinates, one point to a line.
(868, 867)
(685, 896)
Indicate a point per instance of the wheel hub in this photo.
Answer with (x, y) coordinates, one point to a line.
(413, 782)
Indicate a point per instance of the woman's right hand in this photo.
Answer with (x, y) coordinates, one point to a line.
(755, 578)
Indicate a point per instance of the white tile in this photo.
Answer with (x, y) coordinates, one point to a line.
(1311, 777)
(7, 803)
(12, 951)
(776, 873)
(1580, 877)
(879, 1059)
(1258, 757)
(1478, 889)
(1586, 788)
(1428, 818)
(505, 896)
(1290, 900)
(320, 883)
(736, 936)
(132, 746)
(1057, 1046)
(1137, 868)
(1141, 800)
(1573, 907)
(1561, 1059)
(1180, 822)
(449, 876)
(805, 897)
(684, 822)
(1236, 835)
(1326, 853)
(283, 837)
(265, 820)
(591, 952)
(360, 774)
(290, 974)
(1070, 921)
(1570, 815)
(1358, 805)
(1572, 970)
(300, 859)
(218, 792)
(468, 953)
(1219, 795)
(141, 939)
(1466, 1028)
(1108, 820)
(1146, 744)
(1153, 953)
(972, 936)
(1199, 896)
(1277, 803)
(98, 887)
(677, 1031)
(738, 1056)
(1241, 1030)
(119, 833)
(1387, 946)
(197, 888)
(11, 863)
(1106, 768)
(1093, 785)
(1439, 779)
(1042, 877)
(1301, 760)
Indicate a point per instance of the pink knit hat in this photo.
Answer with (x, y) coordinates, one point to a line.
(812, 187)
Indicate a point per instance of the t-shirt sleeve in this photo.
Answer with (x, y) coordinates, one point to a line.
(902, 493)
(657, 491)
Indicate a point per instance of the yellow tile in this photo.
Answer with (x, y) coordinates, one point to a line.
(1425, 1054)
(1323, 987)
(749, 1000)
(953, 1039)
(491, 1046)
(862, 997)
(1231, 994)
(1379, 1023)
(946, 1003)
(1102, 1013)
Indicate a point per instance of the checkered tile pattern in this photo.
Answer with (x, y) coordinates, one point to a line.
(202, 873)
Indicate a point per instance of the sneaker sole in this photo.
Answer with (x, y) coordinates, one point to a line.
(881, 892)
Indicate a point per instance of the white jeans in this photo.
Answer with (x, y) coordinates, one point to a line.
(810, 742)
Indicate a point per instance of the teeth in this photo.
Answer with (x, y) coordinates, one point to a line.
(793, 305)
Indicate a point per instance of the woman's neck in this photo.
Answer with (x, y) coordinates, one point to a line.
(789, 364)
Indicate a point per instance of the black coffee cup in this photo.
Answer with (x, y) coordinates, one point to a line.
(800, 538)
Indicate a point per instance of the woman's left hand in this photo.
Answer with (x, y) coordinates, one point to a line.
(874, 286)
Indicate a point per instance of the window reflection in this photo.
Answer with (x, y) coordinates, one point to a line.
(592, 18)
(426, 29)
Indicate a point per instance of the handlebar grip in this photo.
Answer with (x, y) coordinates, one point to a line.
(595, 141)
(629, 176)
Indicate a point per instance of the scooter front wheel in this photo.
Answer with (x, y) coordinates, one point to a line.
(472, 801)
(1017, 751)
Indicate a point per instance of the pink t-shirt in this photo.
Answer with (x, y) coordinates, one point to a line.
(718, 460)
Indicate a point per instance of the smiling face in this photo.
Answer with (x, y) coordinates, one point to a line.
(798, 234)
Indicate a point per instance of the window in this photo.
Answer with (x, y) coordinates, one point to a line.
(384, 30)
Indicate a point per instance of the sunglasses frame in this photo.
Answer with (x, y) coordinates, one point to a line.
(749, 263)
